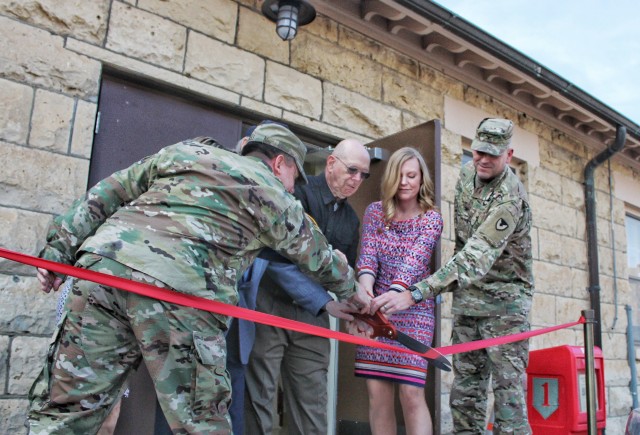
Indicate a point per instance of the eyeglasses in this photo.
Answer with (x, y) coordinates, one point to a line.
(352, 170)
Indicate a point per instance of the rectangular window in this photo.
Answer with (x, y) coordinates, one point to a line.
(632, 224)
(467, 156)
(518, 166)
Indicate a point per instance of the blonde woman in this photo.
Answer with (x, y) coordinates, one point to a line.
(399, 235)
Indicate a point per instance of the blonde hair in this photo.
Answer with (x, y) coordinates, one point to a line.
(391, 181)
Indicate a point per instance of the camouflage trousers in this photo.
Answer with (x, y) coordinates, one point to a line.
(504, 364)
(104, 333)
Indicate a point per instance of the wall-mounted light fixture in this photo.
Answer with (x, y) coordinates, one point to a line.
(378, 154)
(288, 16)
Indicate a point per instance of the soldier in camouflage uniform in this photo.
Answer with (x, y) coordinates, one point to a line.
(491, 278)
(191, 218)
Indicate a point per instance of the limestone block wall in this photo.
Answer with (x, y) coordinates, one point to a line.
(330, 79)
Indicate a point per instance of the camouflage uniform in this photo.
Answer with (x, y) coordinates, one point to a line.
(192, 218)
(492, 283)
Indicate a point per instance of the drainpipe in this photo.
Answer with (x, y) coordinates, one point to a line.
(631, 359)
(592, 236)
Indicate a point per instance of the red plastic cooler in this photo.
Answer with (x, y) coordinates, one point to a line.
(557, 391)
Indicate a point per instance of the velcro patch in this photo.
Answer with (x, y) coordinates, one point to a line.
(313, 221)
(498, 227)
(501, 225)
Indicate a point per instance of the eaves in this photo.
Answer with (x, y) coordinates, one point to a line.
(436, 37)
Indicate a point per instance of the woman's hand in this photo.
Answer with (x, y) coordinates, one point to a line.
(391, 302)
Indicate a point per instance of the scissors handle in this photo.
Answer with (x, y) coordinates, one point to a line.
(380, 324)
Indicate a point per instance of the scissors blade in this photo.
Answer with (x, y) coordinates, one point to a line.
(411, 342)
(429, 353)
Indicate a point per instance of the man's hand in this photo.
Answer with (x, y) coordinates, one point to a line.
(361, 299)
(340, 255)
(48, 280)
(341, 310)
(360, 328)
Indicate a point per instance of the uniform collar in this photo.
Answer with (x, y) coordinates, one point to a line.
(264, 162)
(493, 182)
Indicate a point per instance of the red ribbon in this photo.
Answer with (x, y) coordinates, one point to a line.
(481, 344)
(175, 297)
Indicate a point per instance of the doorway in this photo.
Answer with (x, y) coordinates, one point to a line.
(137, 119)
(352, 414)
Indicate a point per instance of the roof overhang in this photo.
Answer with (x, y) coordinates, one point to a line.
(438, 38)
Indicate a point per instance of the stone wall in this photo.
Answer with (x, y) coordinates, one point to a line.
(329, 79)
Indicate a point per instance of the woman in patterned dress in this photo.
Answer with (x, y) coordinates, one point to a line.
(399, 235)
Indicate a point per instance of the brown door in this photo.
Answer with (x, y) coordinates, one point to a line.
(136, 120)
(352, 410)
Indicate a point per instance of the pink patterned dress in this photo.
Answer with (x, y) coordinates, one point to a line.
(398, 255)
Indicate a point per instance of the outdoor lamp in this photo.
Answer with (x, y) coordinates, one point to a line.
(288, 15)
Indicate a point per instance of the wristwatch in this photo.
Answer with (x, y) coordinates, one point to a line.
(416, 294)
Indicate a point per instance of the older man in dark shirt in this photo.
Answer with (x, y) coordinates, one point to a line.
(302, 360)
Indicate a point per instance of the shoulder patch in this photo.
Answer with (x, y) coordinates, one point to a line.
(313, 221)
(502, 225)
(498, 227)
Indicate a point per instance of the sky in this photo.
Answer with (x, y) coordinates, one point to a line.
(594, 44)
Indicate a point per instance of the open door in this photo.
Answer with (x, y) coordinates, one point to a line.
(352, 409)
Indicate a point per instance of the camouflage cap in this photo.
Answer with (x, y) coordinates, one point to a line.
(251, 129)
(281, 138)
(493, 136)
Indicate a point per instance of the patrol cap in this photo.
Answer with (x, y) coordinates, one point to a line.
(281, 138)
(493, 136)
(251, 129)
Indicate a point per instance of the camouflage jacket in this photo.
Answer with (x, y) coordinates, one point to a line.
(491, 271)
(195, 216)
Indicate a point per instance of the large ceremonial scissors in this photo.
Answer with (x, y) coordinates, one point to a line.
(383, 328)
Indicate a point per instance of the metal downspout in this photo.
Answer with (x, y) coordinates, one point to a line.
(592, 236)
(631, 359)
